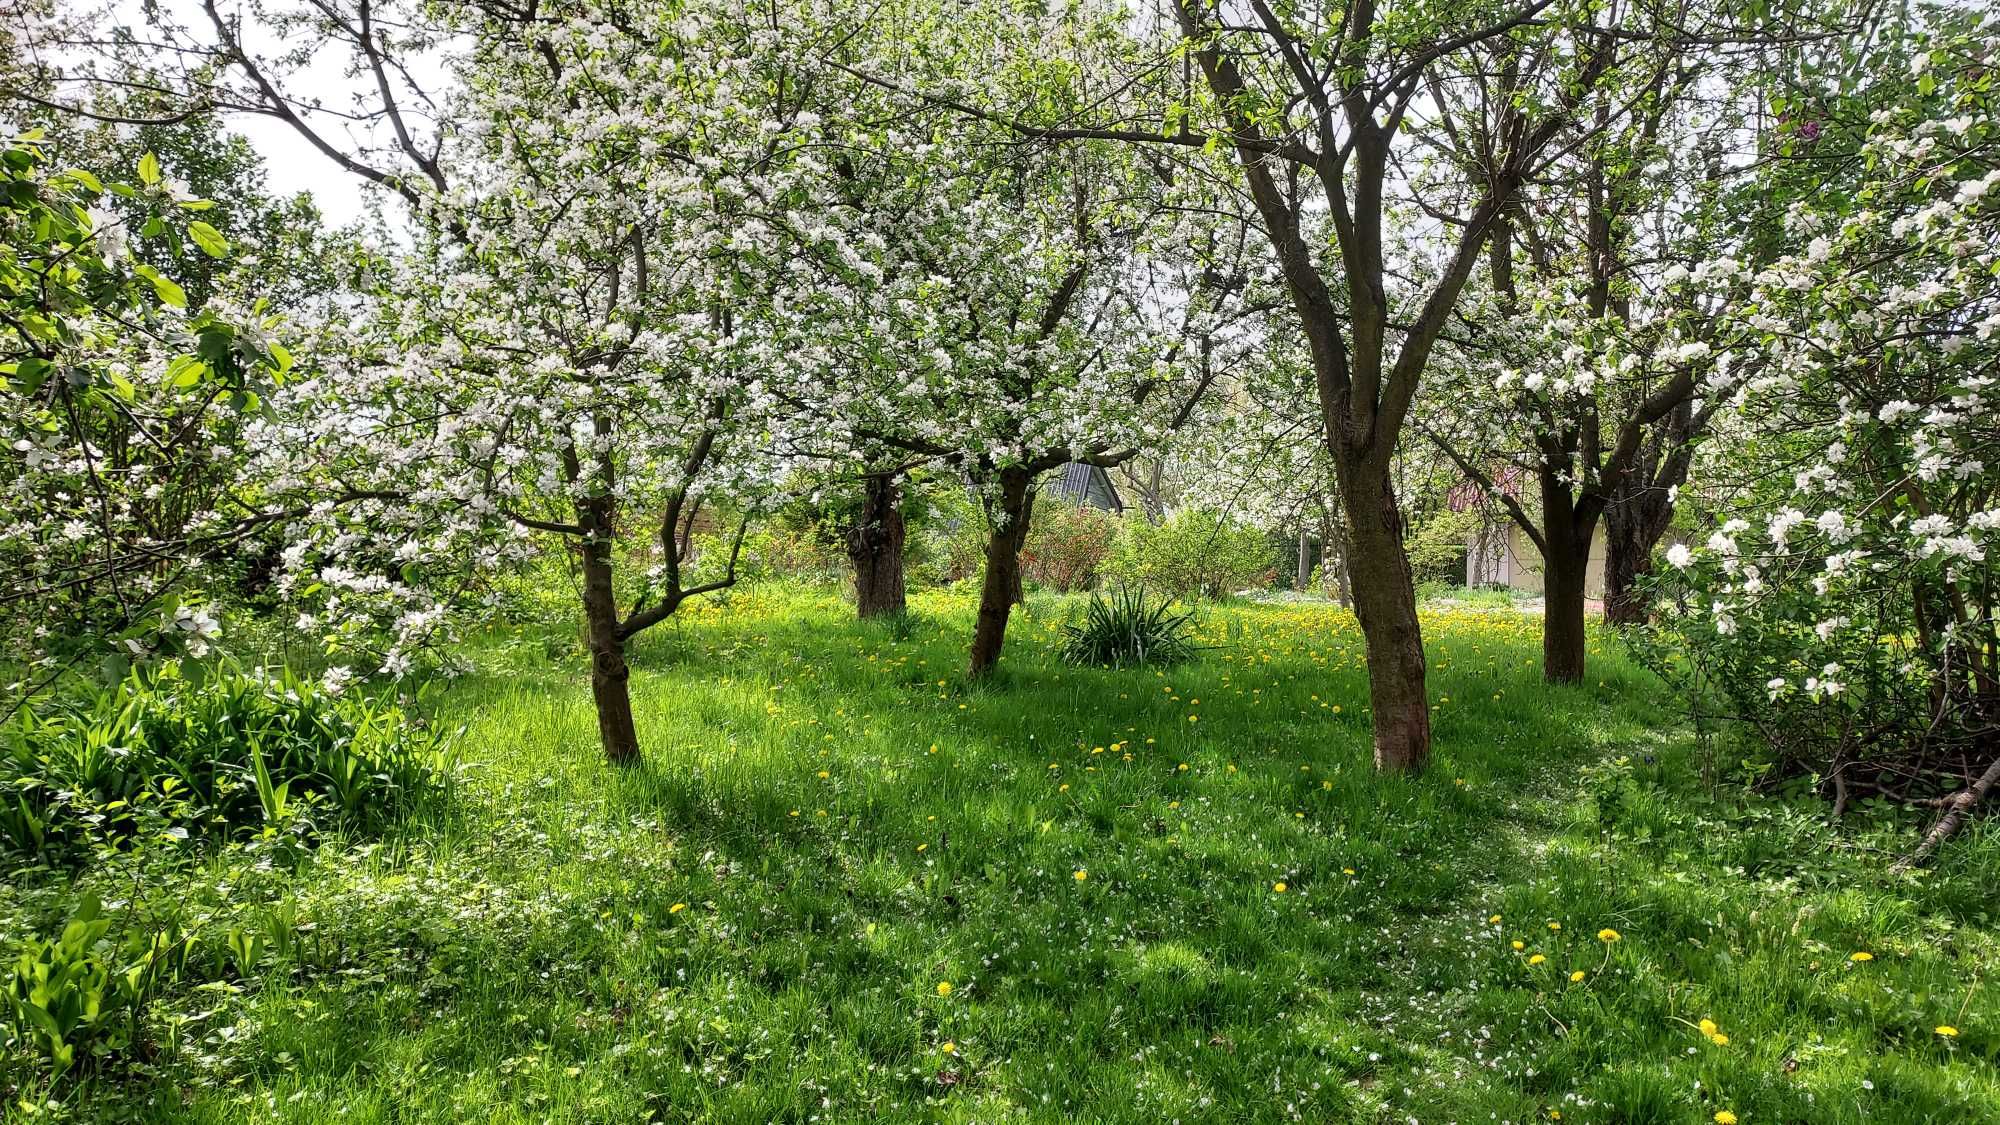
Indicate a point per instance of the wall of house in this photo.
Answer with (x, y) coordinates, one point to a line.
(1503, 555)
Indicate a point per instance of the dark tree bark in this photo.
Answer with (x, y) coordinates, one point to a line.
(1000, 589)
(1640, 512)
(1385, 602)
(875, 547)
(1566, 536)
(610, 688)
(1304, 577)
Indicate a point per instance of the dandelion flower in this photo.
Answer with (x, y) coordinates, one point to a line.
(1555, 925)
(1493, 921)
(677, 908)
(1576, 977)
(1082, 875)
(1277, 888)
(944, 988)
(1608, 935)
(1520, 945)
(1724, 1117)
(1536, 959)
(1948, 1031)
(1708, 1027)
(1719, 1039)
(1864, 955)
(951, 1048)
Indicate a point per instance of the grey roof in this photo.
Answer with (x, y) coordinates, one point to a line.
(1089, 485)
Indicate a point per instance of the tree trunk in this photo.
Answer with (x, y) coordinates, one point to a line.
(1628, 558)
(1565, 559)
(1385, 602)
(609, 687)
(1333, 554)
(875, 547)
(1001, 588)
(1639, 511)
(1563, 571)
(1304, 579)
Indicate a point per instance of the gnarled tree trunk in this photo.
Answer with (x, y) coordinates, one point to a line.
(875, 547)
(1385, 602)
(1001, 587)
(610, 689)
(1628, 557)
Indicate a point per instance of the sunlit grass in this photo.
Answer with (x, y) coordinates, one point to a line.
(830, 825)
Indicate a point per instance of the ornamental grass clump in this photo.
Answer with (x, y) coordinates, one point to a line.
(1127, 630)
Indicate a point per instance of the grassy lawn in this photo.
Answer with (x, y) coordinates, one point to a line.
(845, 887)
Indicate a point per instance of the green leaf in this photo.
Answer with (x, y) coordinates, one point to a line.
(169, 292)
(149, 169)
(209, 239)
(186, 371)
(30, 373)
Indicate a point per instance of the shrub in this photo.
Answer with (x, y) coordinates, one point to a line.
(948, 543)
(1128, 630)
(1436, 545)
(1194, 551)
(237, 751)
(82, 994)
(1067, 543)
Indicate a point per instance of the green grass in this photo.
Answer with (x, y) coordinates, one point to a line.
(848, 825)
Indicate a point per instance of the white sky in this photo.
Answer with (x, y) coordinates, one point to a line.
(292, 164)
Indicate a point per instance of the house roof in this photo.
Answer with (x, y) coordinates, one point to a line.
(1088, 484)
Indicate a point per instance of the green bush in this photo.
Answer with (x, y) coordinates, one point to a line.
(1067, 544)
(948, 544)
(1126, 630)
(158, 753)
(81, 995)
(1195, 551)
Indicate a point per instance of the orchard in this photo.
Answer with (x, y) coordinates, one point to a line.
(1139, 560)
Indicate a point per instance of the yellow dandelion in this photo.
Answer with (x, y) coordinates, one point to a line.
(949, 1048)
(1724, 1117)
(1608, 935)
(1081, 876)
(1520, 945)
(1536, 959)
(944, 988)
(1277, 888)
(1708, 1027)
(1948, 1031)
(1494, 921)
(1576, 977)
(1555, 925)
(677, 908)
(1719, 1039)
(1863, 955)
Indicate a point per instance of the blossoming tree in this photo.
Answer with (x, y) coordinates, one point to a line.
(580, 347)
(1844, 610)
(1307, 113)
(1004, 308)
